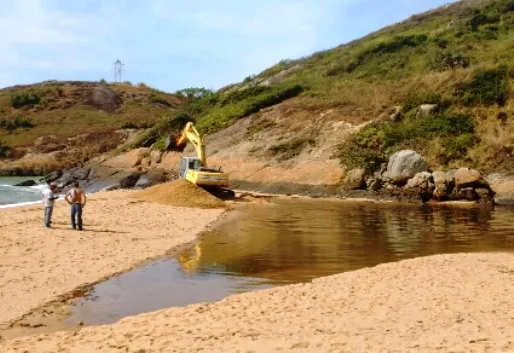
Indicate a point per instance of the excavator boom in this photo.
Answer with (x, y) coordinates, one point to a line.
(189, 133)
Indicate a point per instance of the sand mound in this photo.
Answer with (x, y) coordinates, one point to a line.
(180, 193)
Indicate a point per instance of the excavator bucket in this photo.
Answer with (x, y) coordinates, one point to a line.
(171, 144)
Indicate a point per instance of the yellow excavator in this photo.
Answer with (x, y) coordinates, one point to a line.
(194, 169)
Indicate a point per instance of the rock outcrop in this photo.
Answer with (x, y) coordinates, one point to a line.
(354, 179)
(404, 165)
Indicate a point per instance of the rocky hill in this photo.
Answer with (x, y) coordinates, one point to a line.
(53, 124)
(438, 83)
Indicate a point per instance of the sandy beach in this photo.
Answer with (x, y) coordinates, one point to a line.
(39, 265)
(444, 303)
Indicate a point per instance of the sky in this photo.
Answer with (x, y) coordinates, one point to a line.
(174, 44)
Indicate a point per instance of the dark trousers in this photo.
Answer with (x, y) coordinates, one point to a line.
(48, 216)
(76, 213)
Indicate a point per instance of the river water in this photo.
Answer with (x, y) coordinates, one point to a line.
(292, 241)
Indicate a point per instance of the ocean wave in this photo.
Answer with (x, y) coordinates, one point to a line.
(20, 204)
(25, 188)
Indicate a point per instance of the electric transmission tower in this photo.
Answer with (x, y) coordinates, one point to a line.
(118, 69)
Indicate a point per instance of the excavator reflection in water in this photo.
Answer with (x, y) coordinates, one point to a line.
(189, 259)
(194, 169)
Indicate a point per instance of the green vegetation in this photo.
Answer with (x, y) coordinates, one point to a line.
(19, 122)
(63, 111)
(487, 87)
(292, 148)
(238, 105)
(168, 125)
(5, 150)
(194, 92)
(373, 144)
(25, 99)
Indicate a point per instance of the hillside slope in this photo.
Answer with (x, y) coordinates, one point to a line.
(457, 57)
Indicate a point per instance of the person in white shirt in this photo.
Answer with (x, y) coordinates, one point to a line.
(48, 200)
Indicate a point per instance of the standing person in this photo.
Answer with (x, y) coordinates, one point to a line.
(76, 197)
(48, 199)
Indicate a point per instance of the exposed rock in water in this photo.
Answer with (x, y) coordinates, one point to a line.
(27, 183)
(404, 165)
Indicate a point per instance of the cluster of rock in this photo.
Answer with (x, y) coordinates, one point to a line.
(407, 174)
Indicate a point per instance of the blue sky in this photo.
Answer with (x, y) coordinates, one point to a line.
(172, 44)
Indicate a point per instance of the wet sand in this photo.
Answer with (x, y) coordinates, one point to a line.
(40, 265)
(458, 303)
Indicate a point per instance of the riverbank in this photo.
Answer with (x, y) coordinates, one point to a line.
(440, 303)
(40, 265)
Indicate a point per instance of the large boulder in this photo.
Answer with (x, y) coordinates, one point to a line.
(354, 179)
(403, 165)
(468, 177)
(104, 98)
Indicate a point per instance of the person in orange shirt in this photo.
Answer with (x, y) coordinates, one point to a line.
(76, 197)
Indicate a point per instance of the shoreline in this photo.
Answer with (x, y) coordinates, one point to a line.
(105, 256)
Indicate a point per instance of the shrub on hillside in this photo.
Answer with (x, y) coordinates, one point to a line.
(194, 92)
(480, 19)
(370, 146)
(292, 148)
(168, 125)
(396, 44)
(19, 122)
(203, 104)
(20, 100)
(222, 116)
(5, 150)
(487, 87)
(393, 45)
(448, 60)
(241, 94)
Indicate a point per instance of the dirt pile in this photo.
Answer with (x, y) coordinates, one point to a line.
(180, 193)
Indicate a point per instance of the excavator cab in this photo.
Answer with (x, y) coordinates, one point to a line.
(187, 163)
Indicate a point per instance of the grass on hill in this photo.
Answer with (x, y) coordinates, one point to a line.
(460, 53)
(63, 109)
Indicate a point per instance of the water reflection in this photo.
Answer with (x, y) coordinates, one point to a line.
(293, 241)
(261, 246)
